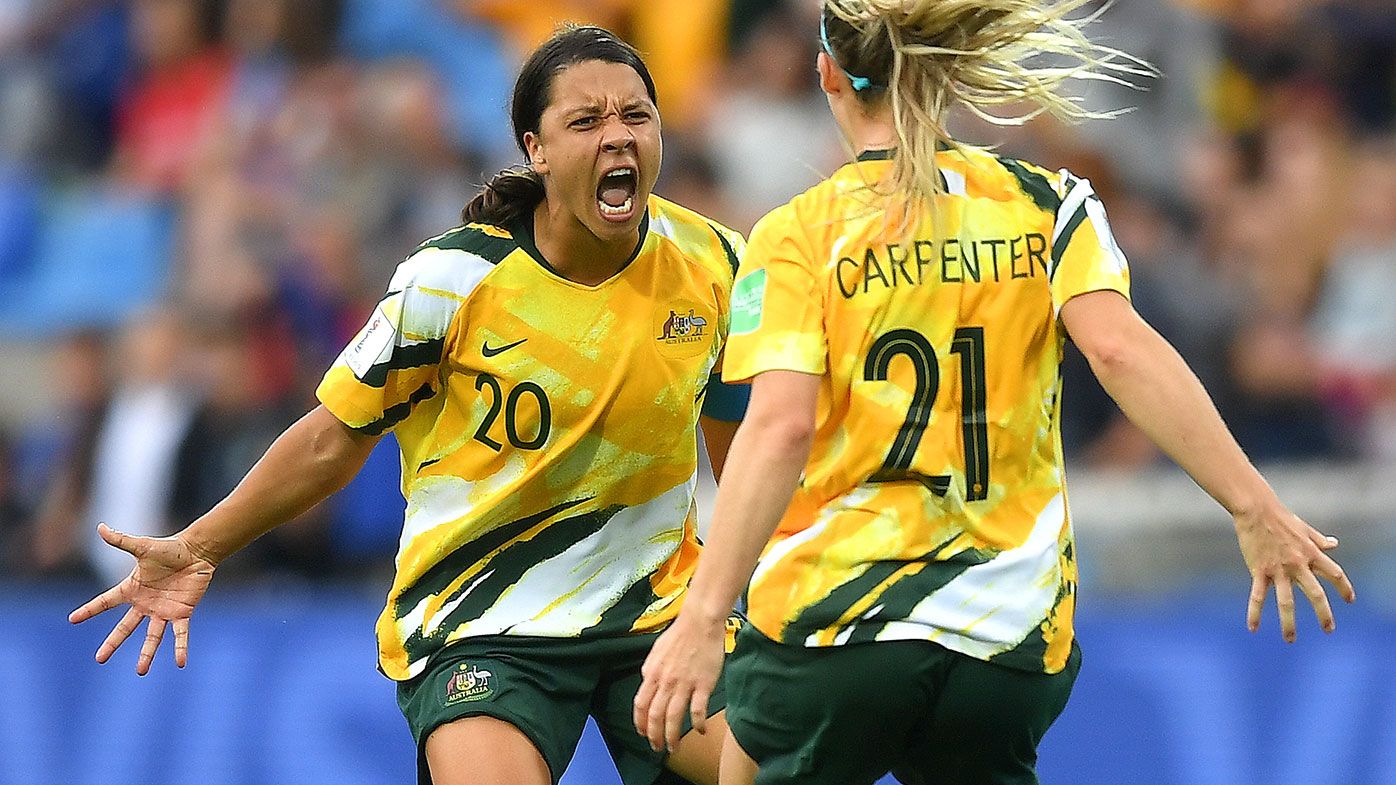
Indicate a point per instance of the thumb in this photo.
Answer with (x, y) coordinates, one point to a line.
(136, 546)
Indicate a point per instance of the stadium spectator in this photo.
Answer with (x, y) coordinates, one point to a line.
(133, 446)
(168, 110)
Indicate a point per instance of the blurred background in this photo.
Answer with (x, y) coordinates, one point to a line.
(200, 201)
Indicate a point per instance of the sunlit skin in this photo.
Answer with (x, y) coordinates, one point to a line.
(599, 118)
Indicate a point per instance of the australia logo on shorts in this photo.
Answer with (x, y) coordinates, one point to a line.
(468, 683)
(683, 328)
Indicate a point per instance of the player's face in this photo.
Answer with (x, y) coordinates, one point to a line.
(598, 146)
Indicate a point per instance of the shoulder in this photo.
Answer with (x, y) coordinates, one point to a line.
(813, 212)
(455, 262)
(1058, 192)
(698, 238)
(1039, 185)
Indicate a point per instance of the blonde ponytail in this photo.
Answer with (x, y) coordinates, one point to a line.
(988, 56)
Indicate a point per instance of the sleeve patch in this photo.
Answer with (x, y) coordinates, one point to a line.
(373, 344)
(747, 296)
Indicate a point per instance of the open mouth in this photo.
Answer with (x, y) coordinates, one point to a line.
(615, 195)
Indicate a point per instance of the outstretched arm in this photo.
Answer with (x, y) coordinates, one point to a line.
(314, 458)
(769, 451)
(1159, 393)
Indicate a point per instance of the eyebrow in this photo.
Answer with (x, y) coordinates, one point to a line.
(599, 108)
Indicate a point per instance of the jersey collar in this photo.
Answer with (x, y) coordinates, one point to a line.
(522, 230)
(877, 155)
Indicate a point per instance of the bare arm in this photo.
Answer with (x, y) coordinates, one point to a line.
(314, 458)
(768, 453)
(1159, 393)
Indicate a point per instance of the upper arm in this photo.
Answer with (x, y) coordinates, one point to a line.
(784, 402)
(1102, 324)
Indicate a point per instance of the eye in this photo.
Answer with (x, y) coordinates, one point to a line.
(583, 123)
(637, 116)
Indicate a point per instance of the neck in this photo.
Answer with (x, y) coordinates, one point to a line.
(574, 252)
(869, 132)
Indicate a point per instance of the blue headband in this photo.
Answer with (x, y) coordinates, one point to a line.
(860, 83)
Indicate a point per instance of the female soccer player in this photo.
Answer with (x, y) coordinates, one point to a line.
(543, 367)
(900, 463)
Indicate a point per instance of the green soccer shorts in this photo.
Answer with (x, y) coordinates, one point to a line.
(847, 715)
(545, 687)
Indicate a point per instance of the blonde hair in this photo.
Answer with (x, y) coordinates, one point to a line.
(925, 56)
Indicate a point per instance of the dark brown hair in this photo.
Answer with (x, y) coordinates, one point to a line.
(516, 191)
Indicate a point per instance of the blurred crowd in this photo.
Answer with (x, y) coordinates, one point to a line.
(200, 200)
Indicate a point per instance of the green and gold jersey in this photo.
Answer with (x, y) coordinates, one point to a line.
(933, 505)
(548, 431)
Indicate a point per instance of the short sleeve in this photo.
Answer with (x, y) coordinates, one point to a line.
(394, 362)
(1085, 256)
(777, 311)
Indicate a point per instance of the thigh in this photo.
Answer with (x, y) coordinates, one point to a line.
(986, 723)
(530, 689)
(483, 750)
(840, 715)
(696, 758)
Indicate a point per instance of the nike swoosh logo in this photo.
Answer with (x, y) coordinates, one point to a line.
(489, 351)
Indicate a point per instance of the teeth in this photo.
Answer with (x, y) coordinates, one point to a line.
(620, 172)
(624, 209)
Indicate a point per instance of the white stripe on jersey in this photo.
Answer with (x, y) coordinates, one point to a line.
(591, 575)
(1095, 210)
(858, 497)
(974, 615)
(955, 182)
(434, 282)
(1080, 191)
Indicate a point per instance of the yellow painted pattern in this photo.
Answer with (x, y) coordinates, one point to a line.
(960, 532)
(512, 393)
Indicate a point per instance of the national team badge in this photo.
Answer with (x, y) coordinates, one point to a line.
(469, 683)
(684, 331)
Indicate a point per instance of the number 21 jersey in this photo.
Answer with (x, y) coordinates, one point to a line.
(933, 504)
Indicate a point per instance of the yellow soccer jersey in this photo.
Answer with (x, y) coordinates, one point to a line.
(933, 505)
(548, 431)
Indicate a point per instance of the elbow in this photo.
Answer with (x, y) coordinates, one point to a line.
(797, 437)
(1108, 356)
(786, 431)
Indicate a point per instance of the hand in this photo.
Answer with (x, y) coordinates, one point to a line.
(1282, 549)
(167, 582)
(679, 673)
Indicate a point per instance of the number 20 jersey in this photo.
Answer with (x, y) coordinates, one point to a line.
(548, 431)
(933, 504)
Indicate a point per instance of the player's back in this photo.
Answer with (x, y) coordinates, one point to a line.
(937, 434)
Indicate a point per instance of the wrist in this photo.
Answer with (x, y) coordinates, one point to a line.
(204, 551)
(705, 614)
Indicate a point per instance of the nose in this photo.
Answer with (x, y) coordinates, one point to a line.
(616, 136)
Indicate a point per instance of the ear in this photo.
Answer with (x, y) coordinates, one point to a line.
(831, 78)
(536, 158)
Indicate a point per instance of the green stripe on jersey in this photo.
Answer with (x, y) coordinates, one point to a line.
(435, 580)
(1034, 185)
(473, 239)
(1064, 239)
(504, 570)
(901, 597)
(727, 248)
(828, 610)
(396, 413)
(413, 355)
